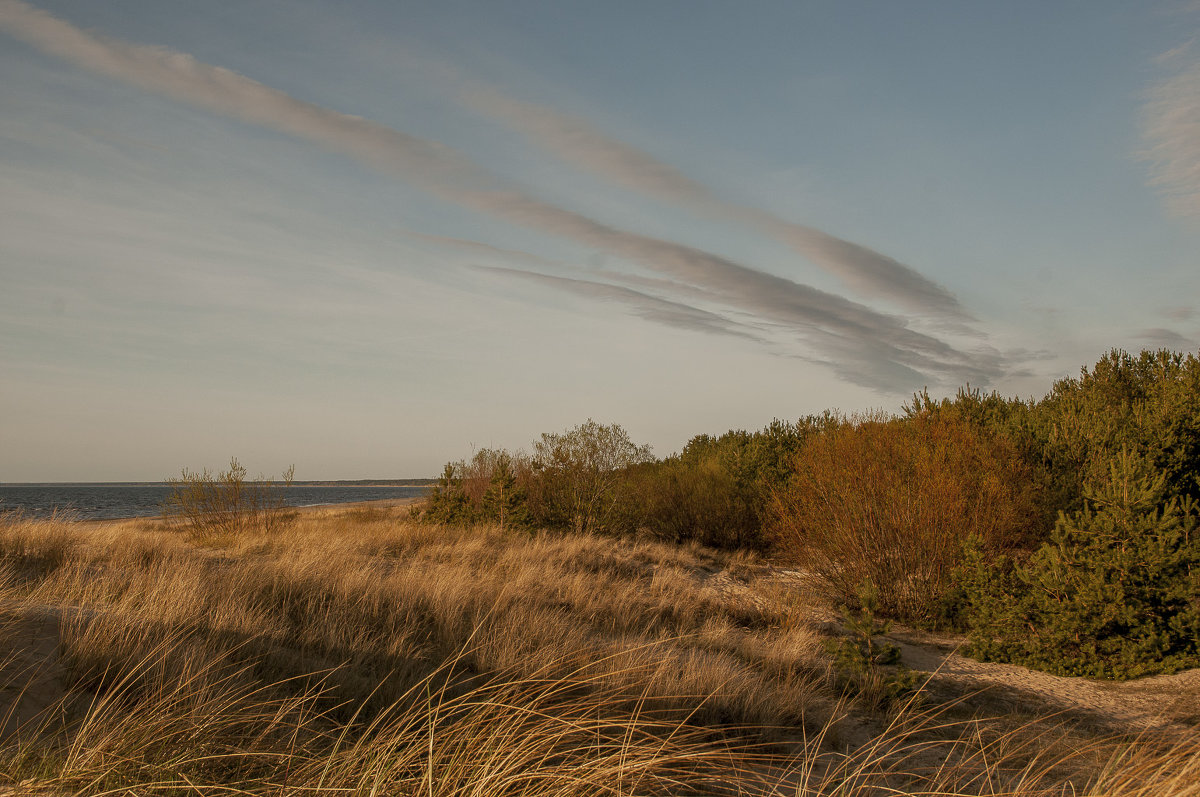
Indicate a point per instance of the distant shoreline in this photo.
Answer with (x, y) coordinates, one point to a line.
(379, 503)
(310, 483)
(112, 500)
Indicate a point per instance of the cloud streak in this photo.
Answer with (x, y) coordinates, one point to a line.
(1163, 338)
(478, 247)
(1171, 128)
(859, 342)
(864, 270)
(652, 308)
(864, 336)
(213, 88)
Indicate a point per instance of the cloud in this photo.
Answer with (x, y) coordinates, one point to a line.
(1171, 129)
(223, 91)
(867, 338)
(657, 283)
(1179, 312)
(860, 343)
(1162, 338)
(1175, 53)
(481, 248)
(644, 305)
(862, 269)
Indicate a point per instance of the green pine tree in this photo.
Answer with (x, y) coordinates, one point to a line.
(1114, 593)
(448, 500)
(865, 666)
(504, 500)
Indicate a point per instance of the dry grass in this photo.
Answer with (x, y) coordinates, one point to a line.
(357, 652)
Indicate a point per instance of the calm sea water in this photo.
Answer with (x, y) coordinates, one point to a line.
(98, 501)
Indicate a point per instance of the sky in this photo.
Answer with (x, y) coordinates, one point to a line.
(368, 237)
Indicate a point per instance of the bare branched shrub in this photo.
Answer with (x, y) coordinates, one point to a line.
(223, 507)
(889, 502)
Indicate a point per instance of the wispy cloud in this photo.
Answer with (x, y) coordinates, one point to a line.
(860, 345)
(1171, 129)
(859, 342)
(864, 337)
(478, 247)
(1162, 338)
(652, 308)
(182, 77)
(860, 268)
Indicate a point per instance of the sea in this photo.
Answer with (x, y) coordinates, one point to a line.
(109, 500)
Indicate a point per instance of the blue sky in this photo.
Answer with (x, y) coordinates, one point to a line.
(365, 237)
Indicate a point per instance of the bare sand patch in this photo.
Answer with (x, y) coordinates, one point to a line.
(1162, 702)
(31, 676)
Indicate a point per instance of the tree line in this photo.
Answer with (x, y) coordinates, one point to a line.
(1059, 532)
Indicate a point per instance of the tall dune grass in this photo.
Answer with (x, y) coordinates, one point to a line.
(206, 727)
(360, 654)
(386, 602)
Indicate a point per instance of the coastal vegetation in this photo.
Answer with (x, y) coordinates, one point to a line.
(369, 653)
(946, 511)
(779, 612)
(215, 508)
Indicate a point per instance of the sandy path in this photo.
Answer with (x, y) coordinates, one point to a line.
(1161, 701)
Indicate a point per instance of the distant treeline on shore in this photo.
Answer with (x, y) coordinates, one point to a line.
(1060, 532)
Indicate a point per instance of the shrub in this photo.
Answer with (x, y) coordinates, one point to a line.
(221, 507)
(1149, 402)
(579, 478)
(488, 488)
(889, 500)
(594, 478)
(698, 500)
(448, 499)
(717, 489)
(1114, 593)
(504, 500)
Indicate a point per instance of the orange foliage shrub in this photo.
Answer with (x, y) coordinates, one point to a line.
(890, 501)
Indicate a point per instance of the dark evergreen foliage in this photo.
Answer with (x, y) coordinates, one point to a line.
(448, 502)
(864, 666)
(717, 490)
(1149, 404)
(1114, 593)
(504, 501)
